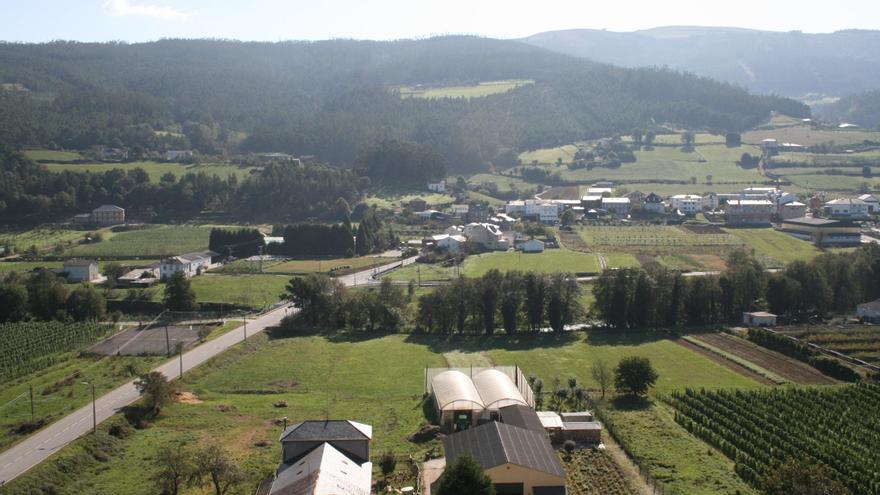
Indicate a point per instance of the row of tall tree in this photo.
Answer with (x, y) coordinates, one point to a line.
(45, 296)
(656, 296)
(240, 243)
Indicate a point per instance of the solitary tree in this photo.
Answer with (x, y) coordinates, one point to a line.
(465, 476)
(387, 463)
(13, 302)
(688, 138)
(634, 376)
(179, 295)
(214, 467)
(85, 303)
(802, 478)
(602, 374)
(113, 271)
(155, 389)
(173, 468)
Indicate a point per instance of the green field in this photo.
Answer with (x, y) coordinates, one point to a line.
(773, 247)
(549, 156)
(550, 261)
(51, 155)
(342, 378)
(807, 136)
(652, 236)
(155, 169)
(153, 242)
(344, 265)
(503, 183)
(391, 200)
(42, 237)
(423, 272)
(476, 91)
(255, 291)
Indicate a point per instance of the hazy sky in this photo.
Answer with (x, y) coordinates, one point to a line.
(274, 20)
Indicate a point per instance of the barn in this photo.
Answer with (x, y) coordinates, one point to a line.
(462, 401)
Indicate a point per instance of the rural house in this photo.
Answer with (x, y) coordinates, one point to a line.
(872, 202)
(81, 270)
(846, 208)
(759, 319)
(418, 204)
(518, 460)
(191, 264)
(531, 246)
(869, 311)
(617, 206)
(438, 187)
(795, 209)
(654, 204)
(487, 235)
(689, 204)
(108, 215)
(329, 457)
(749, 211)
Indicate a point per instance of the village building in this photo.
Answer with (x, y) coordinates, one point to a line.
(190, 264)
(462, 402)
(438, 187)
(769, 144)
(591, 201)
(689, 204)
(846, 208)
(77, 270)
(418, 204)
(460, 210)
(869, 311)
(872, 202)
(108, 215)
(795, 209)
(173, 155)
(487, 235)
(477, 213)
(516, 207)
(324, 457)
(749, 212)
(542, 211)
(759, 319)
(600, 191)
(531, 246)
(654, 204)
(823, 231)
(617, 206)
(449, 243)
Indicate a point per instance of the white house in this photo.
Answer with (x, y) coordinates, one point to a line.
(600, 191)
(618, 206)
(81, 270)
(869, 311)
(654, 204)
(531, 246)
(769, 144)
(795, 209)
(689, 204)
(759, 319)
(544, 211)
(191, 264)
(487, 235)
(846, 208)
(460, 210)
(872, 202)
(439, 186)
(516, 207)
(449, 243)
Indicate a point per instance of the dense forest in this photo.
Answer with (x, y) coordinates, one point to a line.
(334, 99)
(28, 191)
(862, 109)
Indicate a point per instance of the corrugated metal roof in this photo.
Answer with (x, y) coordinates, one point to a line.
(326, 431)
(495, 444)
(324, 470)
(522, 416)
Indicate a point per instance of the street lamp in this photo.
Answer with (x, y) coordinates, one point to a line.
(94, 408)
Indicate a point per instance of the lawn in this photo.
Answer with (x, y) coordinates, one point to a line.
(255, 291)
(377, 380)
(775, 248)
(156, 169)
(52, 155)
(620, 260)
(422, 272)
(26, 266)
(343, 265)
(550, 261)
(549, 156)
(154, 241)
(390, 201)
(476, 91)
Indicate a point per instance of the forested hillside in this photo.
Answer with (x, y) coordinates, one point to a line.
(334, 99)
(862, 109)
(792, 64)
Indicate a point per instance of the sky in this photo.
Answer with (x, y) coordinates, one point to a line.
(278, 20)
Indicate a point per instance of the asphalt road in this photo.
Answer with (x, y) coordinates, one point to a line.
(39, 446)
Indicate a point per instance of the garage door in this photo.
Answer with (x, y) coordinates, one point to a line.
(509, 489)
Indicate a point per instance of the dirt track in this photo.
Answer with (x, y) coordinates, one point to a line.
(788, 368)
(736, 368)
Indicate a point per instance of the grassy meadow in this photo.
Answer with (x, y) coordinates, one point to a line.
(155, 169)
(342, 378)
(53, 155)
(43, 238)
(550, 261)
(475, 91)
(153, 241)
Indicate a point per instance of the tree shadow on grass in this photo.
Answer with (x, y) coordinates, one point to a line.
(631, 403)
(627, 338)
(476, 343)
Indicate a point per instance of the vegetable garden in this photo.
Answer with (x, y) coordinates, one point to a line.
(31, 346)
(839, 427)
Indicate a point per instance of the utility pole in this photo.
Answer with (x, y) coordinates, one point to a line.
(245, 328)
(94, 408)
(419, 271)
(180, 347)
(167, 342)
(260, 252)
(32, 403)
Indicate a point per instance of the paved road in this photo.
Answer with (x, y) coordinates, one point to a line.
(39, 446)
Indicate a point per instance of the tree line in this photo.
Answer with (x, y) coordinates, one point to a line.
(656, 296)
(240, 243)
(45, 296)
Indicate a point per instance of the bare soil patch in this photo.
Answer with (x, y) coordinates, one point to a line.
(710, 261)
(788, 368)
(186, 398)
(562, 192)
(736, 368)
(702, 229)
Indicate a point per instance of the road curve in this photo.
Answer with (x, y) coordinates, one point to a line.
(35, 449)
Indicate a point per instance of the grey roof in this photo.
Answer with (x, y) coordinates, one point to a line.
(811, 221)
(873, 305)
(495, 444)
(522, 416)
(76, 262)
(108, 208)
(323, 431)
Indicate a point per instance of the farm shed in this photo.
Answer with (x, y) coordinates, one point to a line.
(456, 399)
(519, 461)
(81, 270)
(583, 432)
(497, 390)
(759, 319)
(521, 416)
(869, 311)
(531, 246)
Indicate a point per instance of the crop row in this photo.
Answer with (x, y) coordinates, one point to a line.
(26, 347)
(838, 427)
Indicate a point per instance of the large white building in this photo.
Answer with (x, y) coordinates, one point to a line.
(846, 208)
(749, 211)
(81, 270)
(190, 264)
(487, 235)
(872, 202)
(618, 206)
(689, 204)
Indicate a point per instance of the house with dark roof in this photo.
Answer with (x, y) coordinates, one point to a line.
(869, 311)
(518, 460)
(324, 457)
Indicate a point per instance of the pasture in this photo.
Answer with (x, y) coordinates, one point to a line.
(549, 156)
(807, 136)
(254, 291)
(774, 248)
(389, 201)
(52, 155)
(156, 169)
(550, 261)
(341, 265)
(154, 241)
(479, 90)
(342, 378)
(43, 237)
